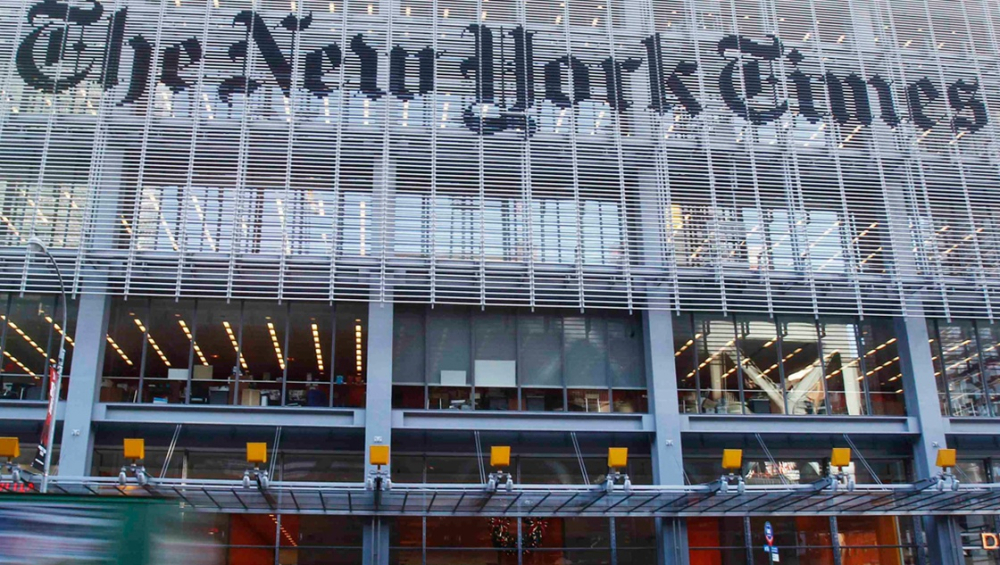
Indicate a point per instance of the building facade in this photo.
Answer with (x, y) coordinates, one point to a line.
(677, 226)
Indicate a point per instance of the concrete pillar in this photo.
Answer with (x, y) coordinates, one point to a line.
(378, 415)
(668, 462)
(921, 393)
(77, 444)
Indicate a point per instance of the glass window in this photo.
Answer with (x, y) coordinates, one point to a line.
(448, 346)
(408, 345)
(123, 352)
(540, 349)
(351, 355)
(263, 346)
(585, 351)
(803, 370)
(310, 354)
(760, 365)
(684, 363)
(626, 360)
(842, 367)
(717, 370)
(217, 332)
(989, 348)
(957, 361)
(883, 375)
(168, 350)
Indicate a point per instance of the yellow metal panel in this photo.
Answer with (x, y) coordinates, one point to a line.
(946, 458)
(135, 448)
(732, 459)
(841, 457)
(256, 452)
(500, 456)
(617, 457)
(10, 447)
(378, 455)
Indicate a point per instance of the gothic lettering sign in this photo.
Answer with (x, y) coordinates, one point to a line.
(503, 80)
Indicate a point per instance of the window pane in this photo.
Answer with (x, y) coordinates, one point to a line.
(684, 363)
(804, 370)
(882, 370)
(351, 355)
(448, 347)
(842, 366)
(27, 344)
(217, 335)
(408, 345)
(263, 348)
(868, 531)
(989, 343)
(540, 349)
(123, 352)
(961, 369)
(716, 532)
(320, 467)
(309, 355)
(625, 352)
(759, 362)
(717, 366)
(168, 350)
(585, 353)
(495, 349)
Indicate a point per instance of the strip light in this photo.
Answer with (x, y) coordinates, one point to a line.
(277, 348)
(20, 364)
(69, 339)
(284, 532)
(357, 344)
(319, 351)
(152, 342)
(21, 333)
(119, 351)
(194, 344)
(236, 346)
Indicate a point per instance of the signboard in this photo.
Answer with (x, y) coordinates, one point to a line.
(50, 415)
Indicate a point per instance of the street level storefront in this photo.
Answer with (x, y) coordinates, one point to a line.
(289, 539)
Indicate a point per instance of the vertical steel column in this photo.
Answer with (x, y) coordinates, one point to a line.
(668, 463)
(76, 447)
(378, 415)
(920, 390)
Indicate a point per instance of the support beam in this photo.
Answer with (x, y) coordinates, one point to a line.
(378, 417)
(921, 392)
(668, 463)
(76, 447)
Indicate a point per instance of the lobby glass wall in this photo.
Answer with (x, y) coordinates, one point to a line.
(275, 539)
(787, 365)
(506, 359)
(806, 540)
(967, 367)
(29, 340)
(542, 541)
(240, 352)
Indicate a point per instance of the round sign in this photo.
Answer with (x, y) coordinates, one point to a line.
(768, 533)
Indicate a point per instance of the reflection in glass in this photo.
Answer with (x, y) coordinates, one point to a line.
(958, 362)
(758, 345)
(842, 368)
(883, 375)
(803, 369)
(717, 370)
